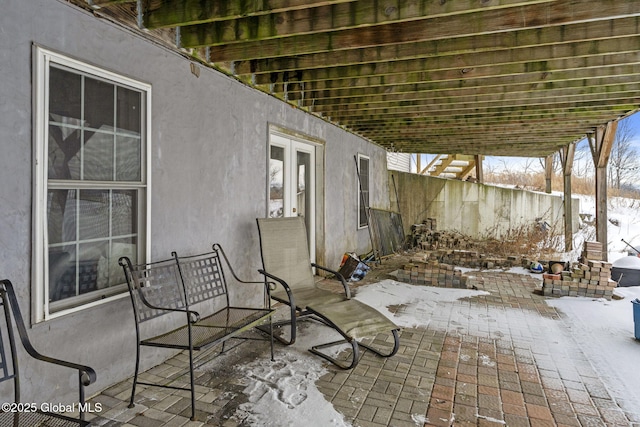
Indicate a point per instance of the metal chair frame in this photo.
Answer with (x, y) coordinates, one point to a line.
(321, 305)
(175, 285)
(86, 375)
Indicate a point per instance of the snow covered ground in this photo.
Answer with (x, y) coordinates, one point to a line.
(284, 393)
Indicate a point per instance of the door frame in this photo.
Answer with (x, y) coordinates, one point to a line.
(317, 219)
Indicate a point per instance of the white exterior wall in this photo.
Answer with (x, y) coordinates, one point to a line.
(399, 162)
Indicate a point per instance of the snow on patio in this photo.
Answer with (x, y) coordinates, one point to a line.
(284, 393)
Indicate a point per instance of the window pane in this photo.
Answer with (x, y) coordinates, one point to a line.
(364, 174)
(363, 199)
(62, 273)
(90, 255)
(98, 104)
(61, 216)
(111, 273)
(128, 159)
(98, 156)
(129, 117)
(65, 99)
(93, 214)
(95, 133)
(276, 182)
(64, 152)
(124, 213)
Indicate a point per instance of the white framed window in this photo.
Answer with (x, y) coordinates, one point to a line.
(91, 182)
(363, 190)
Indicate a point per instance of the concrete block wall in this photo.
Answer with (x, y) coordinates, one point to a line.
(475, 210)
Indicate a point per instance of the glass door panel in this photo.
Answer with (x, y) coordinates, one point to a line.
(292, 182)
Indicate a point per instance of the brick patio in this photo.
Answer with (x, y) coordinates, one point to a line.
(488, 360)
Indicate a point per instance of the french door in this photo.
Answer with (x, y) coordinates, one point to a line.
(292, 182)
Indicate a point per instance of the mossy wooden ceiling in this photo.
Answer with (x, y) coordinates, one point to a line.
(501, 77)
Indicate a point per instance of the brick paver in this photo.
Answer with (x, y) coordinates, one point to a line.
(488, 360)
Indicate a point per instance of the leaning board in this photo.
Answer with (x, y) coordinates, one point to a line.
(387, 234)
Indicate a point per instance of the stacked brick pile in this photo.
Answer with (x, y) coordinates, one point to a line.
(427, 237)
(475, 259)
(466, 258)
(589, 278)
(432, 273)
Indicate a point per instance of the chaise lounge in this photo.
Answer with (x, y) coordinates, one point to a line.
(285, 259)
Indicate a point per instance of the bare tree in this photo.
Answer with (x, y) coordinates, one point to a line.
(583, 161)
(624, 161)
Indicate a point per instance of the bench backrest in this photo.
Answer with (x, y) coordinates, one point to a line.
(152, 285)
(203, 277)
(175, 283)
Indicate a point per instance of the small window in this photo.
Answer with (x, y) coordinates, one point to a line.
(363, 190)
(91, 209)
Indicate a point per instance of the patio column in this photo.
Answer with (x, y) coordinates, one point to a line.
(479, 170)
(601, 143)
(566, 156)
(548, 173)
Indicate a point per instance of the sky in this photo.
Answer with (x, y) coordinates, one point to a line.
(284, 392)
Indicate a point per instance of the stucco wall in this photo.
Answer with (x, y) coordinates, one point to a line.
(209, 169)
(475, 210)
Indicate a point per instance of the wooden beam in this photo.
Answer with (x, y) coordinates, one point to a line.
(517, 18)
(544, 103)
(479, 168)
(625, 73)
(554, 57)
(462, 49)
(332, 17)
(548, 172)
(431, 163)
(601, 144)
(608, 87)
(539, 71)
(467, 170)
(174, 13)
(568, 154)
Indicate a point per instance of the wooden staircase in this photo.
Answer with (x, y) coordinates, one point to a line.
(455, 166)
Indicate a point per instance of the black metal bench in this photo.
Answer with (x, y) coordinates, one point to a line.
(185, 287)
(31, 414)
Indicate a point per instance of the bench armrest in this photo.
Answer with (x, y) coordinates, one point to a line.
(218, 248)
(193, 316)
(345, 285)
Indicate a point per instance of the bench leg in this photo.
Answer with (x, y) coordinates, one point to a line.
(135, 377)
(192, 382)
(271, 338)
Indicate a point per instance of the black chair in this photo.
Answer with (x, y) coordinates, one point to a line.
(29, 414)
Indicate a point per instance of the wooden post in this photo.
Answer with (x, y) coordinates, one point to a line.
(548, 173)
(419, 163)
(479, 170)
(601, 144)
(566, 155)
